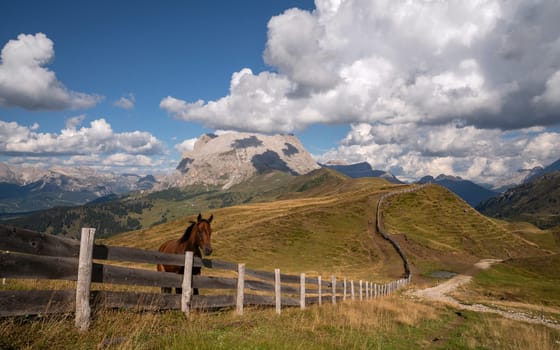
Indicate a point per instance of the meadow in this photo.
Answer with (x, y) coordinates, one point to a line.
(325, 225)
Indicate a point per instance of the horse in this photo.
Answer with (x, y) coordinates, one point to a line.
(197, 236)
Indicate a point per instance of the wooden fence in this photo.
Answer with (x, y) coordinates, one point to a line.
(26, 254)
(385, 234)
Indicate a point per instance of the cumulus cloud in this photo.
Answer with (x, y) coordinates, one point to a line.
(484, 62)
(73, 122)
(435, 81)
(186, 145)
(97, 139)
(411, 151)
(125, 102)
(25, 81)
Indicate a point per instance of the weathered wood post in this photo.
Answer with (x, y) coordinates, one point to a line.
(320, 291)
(361, 290)
(367, 290)
(353, 295)
(240, 288)
(277, 291)
(333, 282)
(187, 284)
(302, 291)
(344, 293)
(85, 263)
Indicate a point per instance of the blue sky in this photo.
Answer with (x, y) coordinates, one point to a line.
(462, 88)
(148, 50)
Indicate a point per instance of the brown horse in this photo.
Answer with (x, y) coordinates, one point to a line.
(197, 236)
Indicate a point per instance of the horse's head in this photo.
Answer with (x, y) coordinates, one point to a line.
(204, 232)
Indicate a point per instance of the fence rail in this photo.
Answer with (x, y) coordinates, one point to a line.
(26, 254)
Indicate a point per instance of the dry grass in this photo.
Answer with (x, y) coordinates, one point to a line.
(388, 323)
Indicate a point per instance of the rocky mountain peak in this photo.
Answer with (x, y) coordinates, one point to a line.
(231, 158)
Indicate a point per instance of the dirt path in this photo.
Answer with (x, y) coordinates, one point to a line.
(440, 293)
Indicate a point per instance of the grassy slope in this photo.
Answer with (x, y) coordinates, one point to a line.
(321, 225)
(436, 221)
(326, 233)
(536, 202)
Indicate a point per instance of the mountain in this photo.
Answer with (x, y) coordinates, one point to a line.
(525, 175)
(470, 192)
(24, 189)
(232, 158)
(362, 169)
(539, 171)
(537, 202)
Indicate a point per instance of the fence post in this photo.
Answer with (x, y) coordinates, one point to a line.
(187, 283)
(352, 290)
(360, 290)
(367, 290)
(85, 263)
(277, 289)
(344, 293)
(302, 291)
(240, 288)
(320, 291)
(333, 282)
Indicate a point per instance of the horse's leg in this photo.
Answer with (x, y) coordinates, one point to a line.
(164, 290)
(195, 271)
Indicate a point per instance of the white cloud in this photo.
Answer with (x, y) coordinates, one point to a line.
(126, 102)
(411, 151)
(73, 122)
(186, 145)
(97, 139)
(25, 81)
(441, 85)
(551, 95)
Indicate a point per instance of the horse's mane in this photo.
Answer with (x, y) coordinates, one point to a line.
(187, 233)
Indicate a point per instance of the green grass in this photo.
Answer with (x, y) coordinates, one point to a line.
(436, 219)
(531, 280)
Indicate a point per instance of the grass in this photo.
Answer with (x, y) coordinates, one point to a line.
(325, 234)
(440, 224)
(320, 226)
(389, 323)
(529, 285)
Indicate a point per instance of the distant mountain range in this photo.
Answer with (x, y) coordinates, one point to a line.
(216, 161)
(536, 201)
(25, 189)
(362, 169)
(467, 190)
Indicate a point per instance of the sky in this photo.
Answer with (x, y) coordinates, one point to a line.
(417, 87)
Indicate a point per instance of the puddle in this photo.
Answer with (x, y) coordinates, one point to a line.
(443, 274)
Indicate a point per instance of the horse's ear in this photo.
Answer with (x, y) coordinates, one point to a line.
(199, 217)
(210, 218)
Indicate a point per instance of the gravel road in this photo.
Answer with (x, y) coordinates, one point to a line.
(440, 293)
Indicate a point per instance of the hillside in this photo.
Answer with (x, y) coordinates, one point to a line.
(362, 169)
(537, 202)
(325, 223)
(440, 231)
(469, 191)
(142, 210)
(321, 225)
